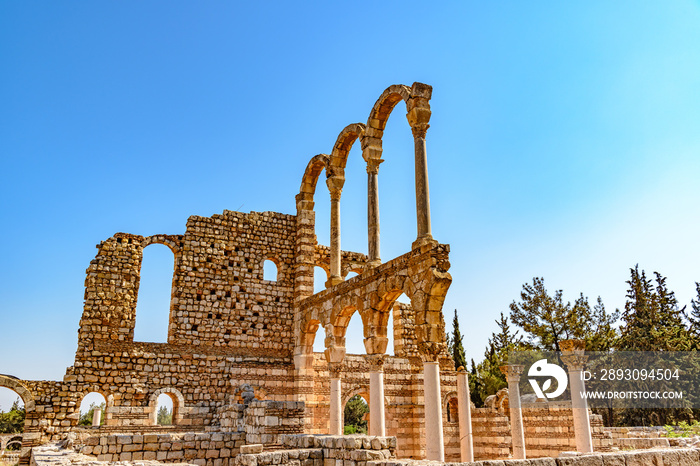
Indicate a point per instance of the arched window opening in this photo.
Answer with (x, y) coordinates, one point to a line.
(355, 335)
(165, 407)
(452, 410)
(320, 340)
(356, 415)
(320, 279)
(12, 411)
(397, 196)
(14, 444)
(270, 271)
(390, 334)
(92, 410)
(155, 294)
(350, 275)
(353, 203)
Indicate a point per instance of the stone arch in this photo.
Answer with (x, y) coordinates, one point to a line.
(109, 400)
(450, 406)
(178, 404)
(170, 241)
(341, 148)
(383, 107)
(16, 441)
(362, 390)
(13, 383)
(316, 165)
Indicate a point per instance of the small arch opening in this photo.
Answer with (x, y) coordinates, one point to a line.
(270, 271)
(320, 279)
(452, 410)
(155, 294)
(351, 274)
(89, 407)
(356, 414)
(12, 412)
(355, 335)
(14, 445)
(320, 340)
(165, 408)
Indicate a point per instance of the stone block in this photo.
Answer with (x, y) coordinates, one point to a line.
(583, 460)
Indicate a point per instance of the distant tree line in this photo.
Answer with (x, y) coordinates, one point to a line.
(651, 320)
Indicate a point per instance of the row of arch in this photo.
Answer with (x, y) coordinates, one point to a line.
(418, 113)
(173, 399)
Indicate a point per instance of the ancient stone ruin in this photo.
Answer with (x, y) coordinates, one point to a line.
(239, 362)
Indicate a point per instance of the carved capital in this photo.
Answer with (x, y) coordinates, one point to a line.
(418, 115)
(335, 186)
(512, 372)
(373, 166)
(572, 353)
(336, 370)
(430, 351)
(375, 362)
(419, 131)
(573, 361)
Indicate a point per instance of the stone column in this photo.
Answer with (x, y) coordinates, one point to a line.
(465, 416)
(512, 373)
(377, 424)
(373, 212)
(418, 117)
(572, 353)
(434, 438)
(335, 354)
(96, 416)
(336, 424)
(335, 186)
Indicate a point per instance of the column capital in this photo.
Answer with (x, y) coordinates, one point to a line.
(430, 351)
(335, 369)
(418, 115)
(373, 166)
(375, 362)
(572, 353)
(574, 362)
(512, 372)
(335, 186)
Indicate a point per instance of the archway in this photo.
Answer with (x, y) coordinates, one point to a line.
(12, 411)
(167, 405)
(90, 404)
(356, 413)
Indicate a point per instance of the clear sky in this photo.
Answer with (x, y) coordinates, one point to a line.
(564, 141)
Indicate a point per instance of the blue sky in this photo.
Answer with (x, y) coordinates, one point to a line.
(564, 141)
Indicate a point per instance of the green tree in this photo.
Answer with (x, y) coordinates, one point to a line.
(652, 320)
(458, 354)
(546, 320)
(12, 422)
(165, 416)
(354, 413)
(488, 378)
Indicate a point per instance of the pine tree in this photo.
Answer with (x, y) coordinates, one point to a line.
(458, 354)
(546, 320)
(652, 320)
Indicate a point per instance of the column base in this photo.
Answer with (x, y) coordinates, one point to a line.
(422, 241)
(372, 264)
(334, 281)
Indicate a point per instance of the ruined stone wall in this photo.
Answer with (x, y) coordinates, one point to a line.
(204, 449)
(219, 296)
